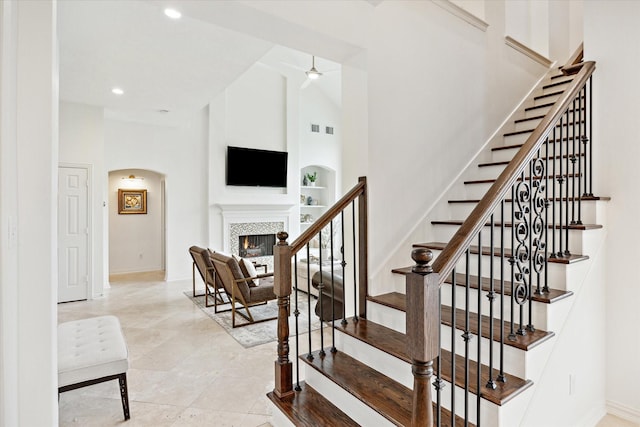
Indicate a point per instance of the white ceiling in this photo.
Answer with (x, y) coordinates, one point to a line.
(161, 64)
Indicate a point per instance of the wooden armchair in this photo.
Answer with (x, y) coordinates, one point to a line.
(242, 289)
(212, 284)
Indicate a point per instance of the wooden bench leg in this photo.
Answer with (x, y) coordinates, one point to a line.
(122, 379)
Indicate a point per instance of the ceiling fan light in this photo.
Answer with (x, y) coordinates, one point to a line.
(313, 74)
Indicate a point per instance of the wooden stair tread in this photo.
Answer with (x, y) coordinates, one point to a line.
(582, 227)
(550, 297)
(389, 398)
(557, 83)
(395, 344)
(549, 104)
(548, 95)
(557, 199)
(520, 132)
(308, 408)
(526, 342)
(528, 119)
(506, 162)
(489, 181)
(496, 252)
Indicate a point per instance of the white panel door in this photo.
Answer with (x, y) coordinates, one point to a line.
(73, 234)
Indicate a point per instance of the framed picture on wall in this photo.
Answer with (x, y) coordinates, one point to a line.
(132, 201)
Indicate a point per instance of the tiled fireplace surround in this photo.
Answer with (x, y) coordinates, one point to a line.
(240, 220)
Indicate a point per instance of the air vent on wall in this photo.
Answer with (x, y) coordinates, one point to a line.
(315, 128)
(328, 130)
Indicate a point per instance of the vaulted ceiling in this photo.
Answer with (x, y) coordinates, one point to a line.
(160, 63)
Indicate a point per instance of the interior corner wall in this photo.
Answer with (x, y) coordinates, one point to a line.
(611, 31)
(180, 154)
(136, 241)
(82, 143)
(432, 105)
(28, 206)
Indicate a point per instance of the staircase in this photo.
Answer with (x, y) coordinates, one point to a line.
(506, 264)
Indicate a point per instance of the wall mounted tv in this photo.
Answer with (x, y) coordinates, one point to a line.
(250, 167)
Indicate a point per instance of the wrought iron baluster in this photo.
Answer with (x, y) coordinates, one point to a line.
(491, 296)
(590, 137)
(296, 313)
(333, 296)
(343, 264)
(566, 213)
(545, 288)
(355, 267)
(467, 338)
(501, 376)
(309, 355)
(538, 230)
(512, 262)
(575, 177)
(560, 179)
(553, 197)
(530, 245)
(479, 345)
(580, 143)
(521, 253)
(453, 344)
(320, 295)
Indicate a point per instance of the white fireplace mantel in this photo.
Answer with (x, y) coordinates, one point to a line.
(252, 214)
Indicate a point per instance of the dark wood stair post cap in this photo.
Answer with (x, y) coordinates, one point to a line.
(282, 237)
(422, 258)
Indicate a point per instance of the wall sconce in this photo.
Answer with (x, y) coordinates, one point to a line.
(133, 181)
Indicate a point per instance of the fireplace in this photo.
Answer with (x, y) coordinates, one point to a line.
(256, 245)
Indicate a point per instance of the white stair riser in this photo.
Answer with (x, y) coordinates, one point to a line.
(547, 99)
(477, 190)
(400, 371)
(507, 154)
(529, 124)
(345, 401)
(591, 211)
(558, 85)
(556, 273)
(535, 112)
(540, 309)
(578, 239)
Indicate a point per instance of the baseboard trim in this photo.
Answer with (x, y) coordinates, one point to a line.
(525, 50)
(462, 14)
(623, 411)
(593, 416)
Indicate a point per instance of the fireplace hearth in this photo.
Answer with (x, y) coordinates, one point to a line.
(256, 245)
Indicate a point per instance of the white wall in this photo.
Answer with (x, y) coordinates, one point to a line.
(28, 210)
(136, 241)
(432, 105)
(180, 154)
(82, 143)
(259, 110)
(611, 32)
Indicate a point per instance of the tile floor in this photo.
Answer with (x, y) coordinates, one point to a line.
(185, 369)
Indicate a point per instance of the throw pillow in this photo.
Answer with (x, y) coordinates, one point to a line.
(249, 270)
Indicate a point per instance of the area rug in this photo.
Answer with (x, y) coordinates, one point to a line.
(263, 332)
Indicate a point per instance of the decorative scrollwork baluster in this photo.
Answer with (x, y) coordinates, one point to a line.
(521, 253)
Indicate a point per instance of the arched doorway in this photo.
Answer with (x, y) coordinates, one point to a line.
(136, 238)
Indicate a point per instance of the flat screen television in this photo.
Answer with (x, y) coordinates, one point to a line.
(250, 167)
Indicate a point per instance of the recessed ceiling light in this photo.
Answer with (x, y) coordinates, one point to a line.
(172, 13)
(117, 91)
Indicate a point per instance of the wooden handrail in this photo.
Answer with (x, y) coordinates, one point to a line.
(326, 218)
(462, 239)
(575, 59)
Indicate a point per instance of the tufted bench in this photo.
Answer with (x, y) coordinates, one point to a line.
(91, 351)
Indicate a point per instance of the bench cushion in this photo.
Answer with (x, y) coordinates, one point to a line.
(89, 349)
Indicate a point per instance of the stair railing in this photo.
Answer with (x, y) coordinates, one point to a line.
(342, 236)
(541, 204)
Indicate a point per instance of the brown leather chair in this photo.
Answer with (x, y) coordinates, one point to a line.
(212, 284)
(242, 289)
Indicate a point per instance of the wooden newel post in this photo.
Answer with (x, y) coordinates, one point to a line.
(423, 333)
(282, 289)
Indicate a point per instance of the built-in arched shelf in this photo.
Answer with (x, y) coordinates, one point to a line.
(317, 197)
